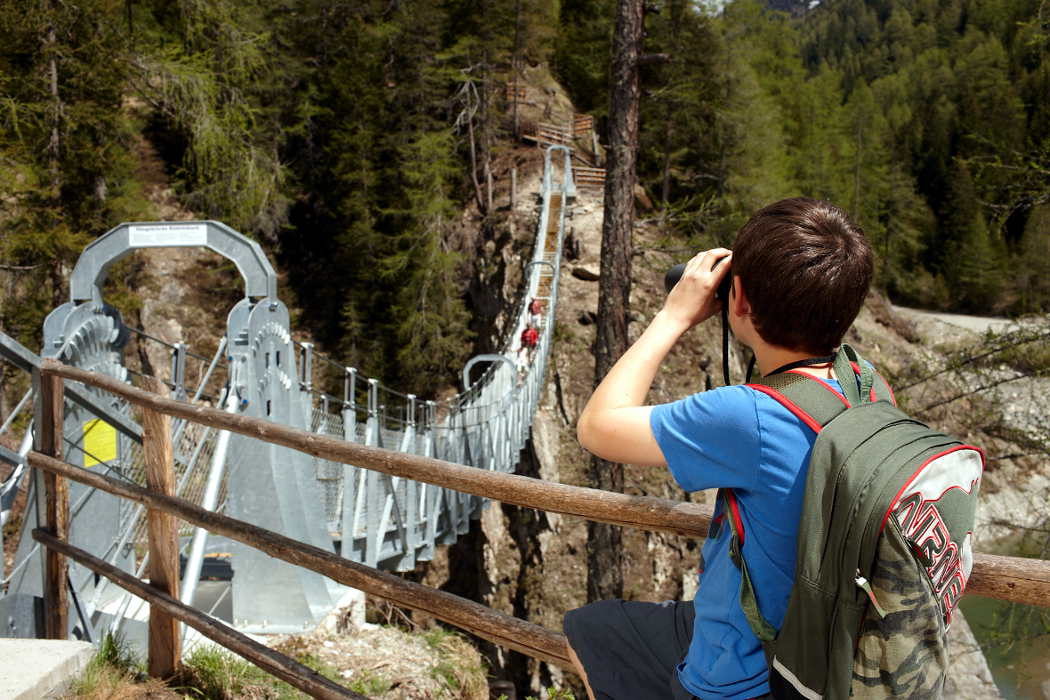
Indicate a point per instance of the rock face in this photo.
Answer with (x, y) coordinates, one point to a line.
(969, 675)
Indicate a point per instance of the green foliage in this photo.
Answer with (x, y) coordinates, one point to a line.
(583, 48)
(208, 90)
(64, 147)
(876, 106)
(952, 86)
(213, 672)
(349, 136)
(114, 651)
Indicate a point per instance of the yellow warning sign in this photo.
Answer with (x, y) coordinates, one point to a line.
(100, 442)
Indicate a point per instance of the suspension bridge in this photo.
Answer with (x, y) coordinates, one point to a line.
(366, 516)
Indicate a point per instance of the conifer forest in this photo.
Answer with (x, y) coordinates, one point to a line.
(345, 136)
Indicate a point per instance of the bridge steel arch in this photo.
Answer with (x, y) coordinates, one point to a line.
(92, 268)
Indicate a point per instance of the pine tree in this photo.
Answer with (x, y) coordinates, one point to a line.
(65, 139)
(676, 119)
(208, 88)
(604, 551)
(427, 316)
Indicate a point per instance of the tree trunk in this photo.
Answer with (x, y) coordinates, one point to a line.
(515, 67)
(604, 542)
(54, 142)
(54, 145)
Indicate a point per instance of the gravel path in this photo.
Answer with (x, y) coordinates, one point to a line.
(979, 324)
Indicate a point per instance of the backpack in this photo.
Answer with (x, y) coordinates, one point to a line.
(885, 544)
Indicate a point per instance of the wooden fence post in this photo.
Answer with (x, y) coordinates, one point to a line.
(49, 434)
(164, 644)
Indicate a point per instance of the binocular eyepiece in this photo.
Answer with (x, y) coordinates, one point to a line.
(675, 273)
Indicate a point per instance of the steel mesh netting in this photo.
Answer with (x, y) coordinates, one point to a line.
(328, 473)
(193, 453)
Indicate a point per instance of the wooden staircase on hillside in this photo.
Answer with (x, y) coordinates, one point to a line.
(589, 178)
(582, 124)
(551, 134)
(516, 93)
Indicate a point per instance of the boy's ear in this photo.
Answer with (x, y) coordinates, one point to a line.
(738, 303)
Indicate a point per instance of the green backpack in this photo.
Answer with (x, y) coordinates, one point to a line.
(884, 544)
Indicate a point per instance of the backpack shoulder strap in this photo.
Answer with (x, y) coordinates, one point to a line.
(817, 402)
(812, 400)
(761, 627)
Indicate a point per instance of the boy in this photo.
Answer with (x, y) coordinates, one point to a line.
(800, 272)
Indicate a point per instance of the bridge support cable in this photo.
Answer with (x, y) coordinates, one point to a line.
(209, 502)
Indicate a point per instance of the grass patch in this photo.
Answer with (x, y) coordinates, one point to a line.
(211, 672)
(367, 684)
(548, 694)
(116, 673)
(459, 668)
(449, 668)
(214, 673)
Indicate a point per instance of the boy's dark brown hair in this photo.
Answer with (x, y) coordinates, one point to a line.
(805, 268)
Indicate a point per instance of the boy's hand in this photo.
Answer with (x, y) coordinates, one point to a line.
(694, 299)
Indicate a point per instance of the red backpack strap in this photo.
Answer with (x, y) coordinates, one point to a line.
(815, 401)
(762, 628)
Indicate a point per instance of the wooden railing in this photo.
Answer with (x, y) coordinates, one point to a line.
(1006, 578)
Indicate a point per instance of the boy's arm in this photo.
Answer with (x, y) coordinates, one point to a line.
(614, 424)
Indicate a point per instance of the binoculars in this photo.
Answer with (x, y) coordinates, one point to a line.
(672, 276)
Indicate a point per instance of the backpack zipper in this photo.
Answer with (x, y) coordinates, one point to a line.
(862, 583)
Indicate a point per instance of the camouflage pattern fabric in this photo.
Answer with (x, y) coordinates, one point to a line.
(905, 654)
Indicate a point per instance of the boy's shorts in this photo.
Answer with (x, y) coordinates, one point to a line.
(631, 649)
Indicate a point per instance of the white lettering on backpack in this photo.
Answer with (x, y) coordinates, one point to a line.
(948, 563)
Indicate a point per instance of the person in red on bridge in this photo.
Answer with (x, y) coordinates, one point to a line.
(536, 312)
(530, 338)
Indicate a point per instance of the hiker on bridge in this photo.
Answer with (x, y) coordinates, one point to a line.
(800, 272)
(530, 338)
(536, 312)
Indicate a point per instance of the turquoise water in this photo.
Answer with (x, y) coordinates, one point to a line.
(1021, 668)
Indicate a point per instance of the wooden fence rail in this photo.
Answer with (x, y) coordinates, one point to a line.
(1015, 579)
(1007, 578)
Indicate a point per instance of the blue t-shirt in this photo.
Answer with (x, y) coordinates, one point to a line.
(739, 438)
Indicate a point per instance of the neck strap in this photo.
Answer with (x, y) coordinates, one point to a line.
(810, 362)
